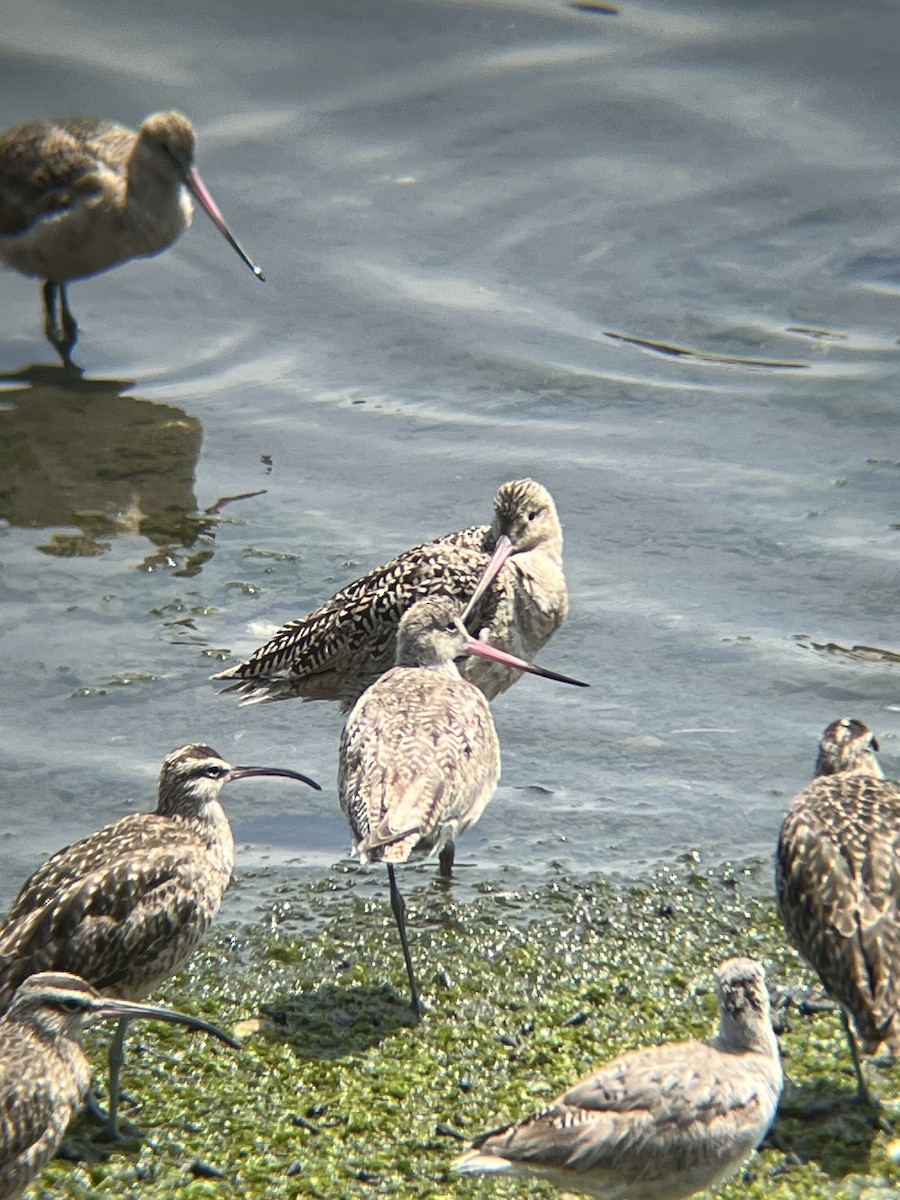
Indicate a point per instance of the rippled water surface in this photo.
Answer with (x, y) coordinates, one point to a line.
(650, 259)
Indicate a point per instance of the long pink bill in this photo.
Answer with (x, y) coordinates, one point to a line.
(484, 650)
(251, 772)
(130, 1010)
(204, 197)
(502, 551)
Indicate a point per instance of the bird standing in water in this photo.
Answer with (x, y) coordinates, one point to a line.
(508, 575)
(79, 195)
(838, 883)
(44, 1074)
(127, 906)
(419, 757)
(659, 1123)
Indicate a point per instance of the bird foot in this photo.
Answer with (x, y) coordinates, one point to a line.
(109, 1126)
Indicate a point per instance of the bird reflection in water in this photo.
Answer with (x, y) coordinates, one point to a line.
(93, 463)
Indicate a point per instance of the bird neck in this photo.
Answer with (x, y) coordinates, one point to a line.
(157, 202)
(866, 765)
(208, 821)
(741, 1037)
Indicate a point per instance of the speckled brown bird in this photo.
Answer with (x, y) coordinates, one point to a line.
(508, 574)
(127, 906)
(44, 1074)
(79, 195)
(659, 1123)
(419, 757)
(838, 883)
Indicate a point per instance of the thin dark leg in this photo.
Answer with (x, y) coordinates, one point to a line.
(116, 1059)
(399, 909)
(862, 1088)
(61, 330)
(69, 324)
(445, 859)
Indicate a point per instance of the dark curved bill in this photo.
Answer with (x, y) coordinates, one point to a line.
(132, 1010)
(484, 650)
(204, 197)
(251, 772)
(502, 552)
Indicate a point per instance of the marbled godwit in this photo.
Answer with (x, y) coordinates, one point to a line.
(658, 1123)
(838, 882)
(126, 907)
(78, 196)
(44, 1074)
(419, 756)
(336, 652)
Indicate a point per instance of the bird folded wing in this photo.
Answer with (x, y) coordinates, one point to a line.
(839, 890)
(104, 926)
(328, 638)
(407, 813)
(129, 837)
(26, 1114)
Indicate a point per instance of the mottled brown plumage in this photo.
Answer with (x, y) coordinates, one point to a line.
(419, 757)
(126, 906)
(336, 652)
(44, 1074)
(838, 883)
(79, 195)
(659, 1123)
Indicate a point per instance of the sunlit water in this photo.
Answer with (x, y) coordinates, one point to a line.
(649, 259)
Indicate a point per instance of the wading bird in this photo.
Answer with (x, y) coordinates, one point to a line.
(44, 1074)
(659, 1123)
(419, 756)
(508, 575)
(126, 906)
(79, 195)
(838, 883)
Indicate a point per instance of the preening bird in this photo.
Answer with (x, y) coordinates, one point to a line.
(507, 575)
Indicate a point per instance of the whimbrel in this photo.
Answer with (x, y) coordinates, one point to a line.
(79, 195)
(419, 756)
(838, 883)
(44, 1074)
(658, 1123)
(126, 906)
(336, 652)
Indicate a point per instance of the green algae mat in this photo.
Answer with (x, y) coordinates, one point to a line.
(339, 1092)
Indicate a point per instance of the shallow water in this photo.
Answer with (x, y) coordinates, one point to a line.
(649, 259)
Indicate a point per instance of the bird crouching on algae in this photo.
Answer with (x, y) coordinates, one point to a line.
(126, 907)
(44, 1073)
(419, 757)
(659, 1123)
(508, 575)
(838, 885)
(79, 195)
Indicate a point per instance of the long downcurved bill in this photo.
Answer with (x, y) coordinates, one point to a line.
(204, 197)
(502, 552)
(251, 772)
(130, 1010)
(484, 650)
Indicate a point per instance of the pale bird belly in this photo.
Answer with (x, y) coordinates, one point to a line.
(92, 237)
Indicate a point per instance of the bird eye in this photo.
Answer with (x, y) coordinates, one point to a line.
(212, 772)
(71, 1006)
(533, 515)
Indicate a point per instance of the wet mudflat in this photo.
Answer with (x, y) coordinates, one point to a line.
(337, 1091)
